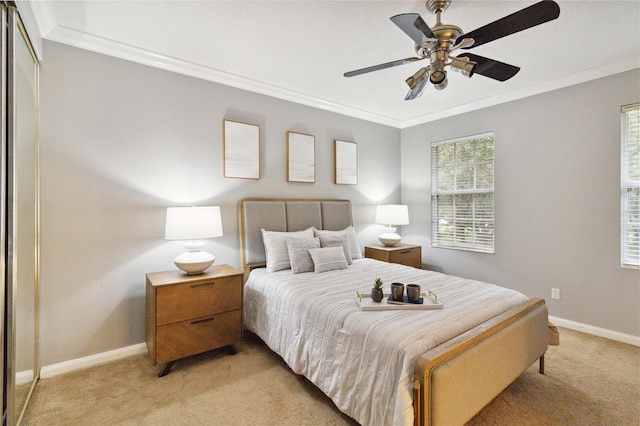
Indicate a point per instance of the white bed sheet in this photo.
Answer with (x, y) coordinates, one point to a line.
(363, 360)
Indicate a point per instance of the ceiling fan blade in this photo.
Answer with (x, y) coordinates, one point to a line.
(414, 26)
(491, 68)
(531, 16)
(381, 66)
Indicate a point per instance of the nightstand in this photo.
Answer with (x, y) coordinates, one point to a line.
(405, 254)
(190, 314)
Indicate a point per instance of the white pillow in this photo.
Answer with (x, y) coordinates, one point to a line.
(298, 248)
(328, 259)
(350, 232)
(336, 240)
(275, 247)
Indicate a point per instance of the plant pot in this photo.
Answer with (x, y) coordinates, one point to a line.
(377, 295)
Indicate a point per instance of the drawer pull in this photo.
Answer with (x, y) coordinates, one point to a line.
(201, 284)
(202, 320)
(406, 252)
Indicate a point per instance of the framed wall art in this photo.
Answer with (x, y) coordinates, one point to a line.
(345, 162)
(301, 157)
(241, 146)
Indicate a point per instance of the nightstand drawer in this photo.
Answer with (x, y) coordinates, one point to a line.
(408, 256)
(181, 302)
(182, 339)
(404, 254)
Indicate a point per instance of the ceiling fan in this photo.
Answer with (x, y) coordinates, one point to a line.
(437, 44)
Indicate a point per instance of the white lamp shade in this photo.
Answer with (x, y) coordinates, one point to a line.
(193, 223)
(392, 214)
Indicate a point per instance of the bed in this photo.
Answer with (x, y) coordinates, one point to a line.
(384, 367)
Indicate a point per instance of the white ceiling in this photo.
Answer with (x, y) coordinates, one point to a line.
(299, 50)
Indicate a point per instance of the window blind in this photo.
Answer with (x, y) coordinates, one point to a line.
(630, 186)
(462, 174)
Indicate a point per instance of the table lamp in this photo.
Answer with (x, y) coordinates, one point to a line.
(391, 214)
(192, 224)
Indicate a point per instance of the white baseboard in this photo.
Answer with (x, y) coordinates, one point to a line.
(596, 331)
(141, 348)
(92, 360)
(24, 377)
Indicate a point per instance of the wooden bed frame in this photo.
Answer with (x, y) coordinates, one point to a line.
(453, 381)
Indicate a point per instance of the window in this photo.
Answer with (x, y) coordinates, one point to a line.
(462, 193)
(630, 183)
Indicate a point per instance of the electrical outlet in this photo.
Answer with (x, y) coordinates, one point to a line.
(555, 293)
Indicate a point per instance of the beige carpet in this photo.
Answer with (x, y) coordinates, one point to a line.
(588, 381)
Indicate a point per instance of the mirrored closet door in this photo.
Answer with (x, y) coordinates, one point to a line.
(21, 208)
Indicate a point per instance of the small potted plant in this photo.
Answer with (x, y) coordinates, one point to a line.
(376, 291)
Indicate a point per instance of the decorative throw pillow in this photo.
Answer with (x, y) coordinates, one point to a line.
(328, 259)
(336, 240)
(275, 247)
(298, 248)
(350, 232)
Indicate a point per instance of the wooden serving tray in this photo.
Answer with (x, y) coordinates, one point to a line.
(367, 304)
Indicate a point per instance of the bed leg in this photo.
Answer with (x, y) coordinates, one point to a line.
(541, 369)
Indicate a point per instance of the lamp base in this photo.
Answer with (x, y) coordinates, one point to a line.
(194, 262)
(389, 237)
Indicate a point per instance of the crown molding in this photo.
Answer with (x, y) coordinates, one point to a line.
(45, 22)
(36, 17)
(105, 46)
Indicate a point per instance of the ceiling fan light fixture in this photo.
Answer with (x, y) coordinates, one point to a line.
(442, 84)
(417, 90)
(417, 78)
(464, 66)
(437, 76)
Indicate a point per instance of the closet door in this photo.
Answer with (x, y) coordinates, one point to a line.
(3, 210)
(22, 210)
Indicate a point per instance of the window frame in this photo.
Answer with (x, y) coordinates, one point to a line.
(440, 239)
(629, 207)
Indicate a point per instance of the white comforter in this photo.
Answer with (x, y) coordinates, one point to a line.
(363, 360)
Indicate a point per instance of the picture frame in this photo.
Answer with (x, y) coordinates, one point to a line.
(345, 162)
(241, 149)
(301, 157)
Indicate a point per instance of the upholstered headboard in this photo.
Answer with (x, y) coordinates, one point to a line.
(255, 214)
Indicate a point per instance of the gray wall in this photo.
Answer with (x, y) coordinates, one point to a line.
(120, 142)
(557, 200)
